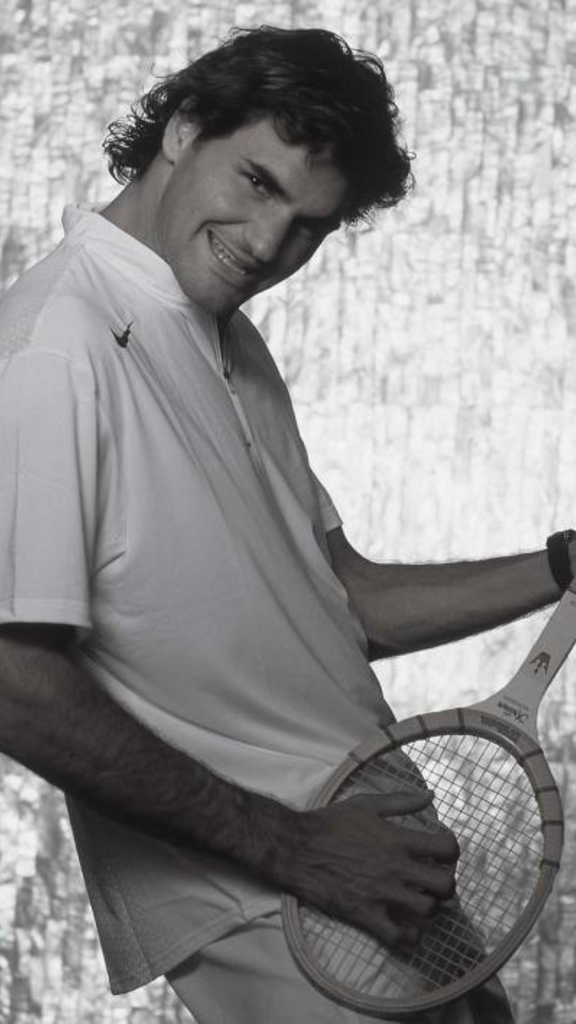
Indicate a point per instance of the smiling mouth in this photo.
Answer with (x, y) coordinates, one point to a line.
(226, 258)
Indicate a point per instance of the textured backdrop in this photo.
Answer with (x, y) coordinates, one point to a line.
(430, 360)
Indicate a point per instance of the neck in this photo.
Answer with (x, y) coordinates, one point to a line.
(133, 208)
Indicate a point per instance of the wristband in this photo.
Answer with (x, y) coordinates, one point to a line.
(559, 557)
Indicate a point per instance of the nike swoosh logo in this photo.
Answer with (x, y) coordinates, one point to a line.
(124, 338)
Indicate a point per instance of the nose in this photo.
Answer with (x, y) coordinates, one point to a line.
(265, 236)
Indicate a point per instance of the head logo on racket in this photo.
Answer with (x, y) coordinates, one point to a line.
(541, 661)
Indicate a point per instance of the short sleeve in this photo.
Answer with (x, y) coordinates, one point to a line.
(331, 520)
(50, 450)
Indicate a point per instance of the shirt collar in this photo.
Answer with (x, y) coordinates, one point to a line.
(131, 257)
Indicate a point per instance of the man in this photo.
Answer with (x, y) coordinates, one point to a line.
(186, 630)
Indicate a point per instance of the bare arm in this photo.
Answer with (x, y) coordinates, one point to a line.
(407, 608)
(57, 721)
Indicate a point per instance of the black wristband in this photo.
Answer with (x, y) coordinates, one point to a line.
(559, 557)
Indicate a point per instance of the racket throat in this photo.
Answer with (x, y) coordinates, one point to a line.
(516, 704)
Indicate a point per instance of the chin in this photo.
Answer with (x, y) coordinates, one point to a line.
(204, 298)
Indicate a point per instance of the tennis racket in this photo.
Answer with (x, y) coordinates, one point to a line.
(493, 789)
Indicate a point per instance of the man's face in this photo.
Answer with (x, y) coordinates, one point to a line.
(240, 213)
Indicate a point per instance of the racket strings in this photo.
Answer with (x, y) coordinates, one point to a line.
(481, 794)
(363, 964)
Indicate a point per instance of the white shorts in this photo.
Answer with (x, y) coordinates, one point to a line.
(249, 977)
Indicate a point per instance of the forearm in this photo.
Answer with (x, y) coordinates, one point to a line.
(57, 721)
(407, 608)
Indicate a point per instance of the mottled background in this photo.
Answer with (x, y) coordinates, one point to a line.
(430, 360)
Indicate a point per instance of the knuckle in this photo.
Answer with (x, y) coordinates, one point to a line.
(447, 846)
(446, 884)
(426, 906)
(454, 846)
(389, 933)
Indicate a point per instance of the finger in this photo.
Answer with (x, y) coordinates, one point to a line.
(410, 936)
(406, 802)
(441, 843)
(394, 934)
(391, 804)
(423, 844)
(441, 882)
(442, 846)
(419, 846)
(437, 882)
(411, 905)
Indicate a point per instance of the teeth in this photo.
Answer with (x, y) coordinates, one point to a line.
(224, 256)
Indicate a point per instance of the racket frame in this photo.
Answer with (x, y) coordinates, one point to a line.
(495, 719)
(459, 721)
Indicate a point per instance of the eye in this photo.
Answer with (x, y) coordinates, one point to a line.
(257, 184)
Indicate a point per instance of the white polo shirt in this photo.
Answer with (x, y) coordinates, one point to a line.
(171, 516)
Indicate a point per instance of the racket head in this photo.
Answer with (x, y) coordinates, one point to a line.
(502, 803)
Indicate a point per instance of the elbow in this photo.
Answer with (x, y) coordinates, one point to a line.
(31, 661)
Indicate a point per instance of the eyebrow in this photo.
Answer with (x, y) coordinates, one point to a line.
(273, 185)
(269, 178)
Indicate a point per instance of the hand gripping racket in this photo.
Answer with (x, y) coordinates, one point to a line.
(494, 790)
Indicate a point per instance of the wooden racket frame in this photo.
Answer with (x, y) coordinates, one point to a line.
(460, 721)
(518, 701)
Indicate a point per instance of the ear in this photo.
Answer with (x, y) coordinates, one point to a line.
(179, 134)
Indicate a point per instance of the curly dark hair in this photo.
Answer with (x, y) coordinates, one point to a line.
(317, 90)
